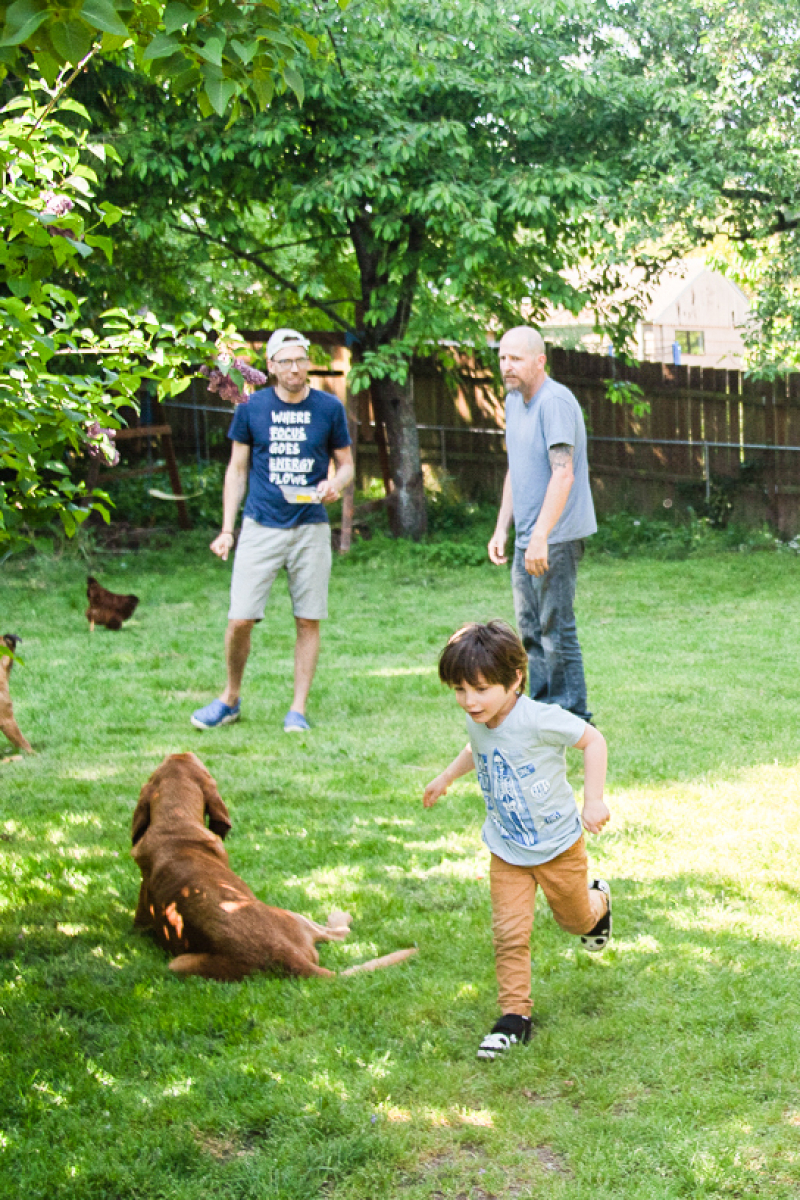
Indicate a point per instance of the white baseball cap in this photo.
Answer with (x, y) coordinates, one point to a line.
(285, 337)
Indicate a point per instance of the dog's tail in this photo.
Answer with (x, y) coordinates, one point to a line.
(375, 964)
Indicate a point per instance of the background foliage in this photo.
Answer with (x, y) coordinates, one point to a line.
(65, 369)
(410, 175)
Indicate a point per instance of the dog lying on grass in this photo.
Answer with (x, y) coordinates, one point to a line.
(194, 904)
(8, 725)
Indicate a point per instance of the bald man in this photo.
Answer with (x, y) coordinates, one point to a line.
(547, 496)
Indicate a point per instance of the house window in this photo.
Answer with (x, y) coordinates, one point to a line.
(691, 341)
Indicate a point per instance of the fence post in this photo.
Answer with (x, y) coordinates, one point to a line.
(348, 495)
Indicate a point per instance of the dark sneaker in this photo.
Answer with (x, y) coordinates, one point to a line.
(510, 1030)
(216, 713)
(598, 938)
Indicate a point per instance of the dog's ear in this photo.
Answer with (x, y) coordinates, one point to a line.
(219, 821)
(141, 815)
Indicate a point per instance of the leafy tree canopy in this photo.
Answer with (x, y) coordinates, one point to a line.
(226, 52)
(721, 152)
(448, 163)
(62, 379)
(65, 370)
(450, 159)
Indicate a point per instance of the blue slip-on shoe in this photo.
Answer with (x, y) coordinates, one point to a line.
(216, 713)
(295, 722)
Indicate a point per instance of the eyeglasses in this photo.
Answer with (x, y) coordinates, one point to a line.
(285, 363)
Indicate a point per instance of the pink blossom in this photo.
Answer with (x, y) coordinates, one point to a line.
(226, 388)
(101, 444)
(58, 206)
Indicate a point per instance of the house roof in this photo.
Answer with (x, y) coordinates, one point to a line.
(676, 281)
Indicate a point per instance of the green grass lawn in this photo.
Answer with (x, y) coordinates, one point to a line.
(668, 1067)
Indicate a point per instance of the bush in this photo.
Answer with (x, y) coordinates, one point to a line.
(623, 535)
(202, 486)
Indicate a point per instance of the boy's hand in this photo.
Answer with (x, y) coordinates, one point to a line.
(595, 815)
(436, 788)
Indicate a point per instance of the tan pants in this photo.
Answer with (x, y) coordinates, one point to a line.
(576, 909)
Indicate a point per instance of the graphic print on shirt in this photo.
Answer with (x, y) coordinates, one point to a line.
(505, 802)
(286, 437)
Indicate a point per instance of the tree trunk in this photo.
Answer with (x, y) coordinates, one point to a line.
(392, 402)
(406, 503)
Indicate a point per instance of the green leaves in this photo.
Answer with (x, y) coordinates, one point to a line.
(211, 51)
(218, 90)
(59, 376)
(101, 14)
(71, 40)
(255, 49)
(23, 18)
(179, 16)
(162, 46)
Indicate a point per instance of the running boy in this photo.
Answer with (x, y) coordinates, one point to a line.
(532, 827)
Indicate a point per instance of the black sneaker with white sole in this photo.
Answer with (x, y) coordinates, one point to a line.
(510, 1030)
(598, 938)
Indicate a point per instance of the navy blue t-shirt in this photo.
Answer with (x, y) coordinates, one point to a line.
(290, 444)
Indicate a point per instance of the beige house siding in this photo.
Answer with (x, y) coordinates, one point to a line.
(705, 302)
(691, 299)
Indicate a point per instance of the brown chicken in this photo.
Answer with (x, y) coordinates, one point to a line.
(8, 725)
(107, 608)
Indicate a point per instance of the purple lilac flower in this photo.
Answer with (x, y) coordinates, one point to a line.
(58, 206)
(226, 388)
(102, 443)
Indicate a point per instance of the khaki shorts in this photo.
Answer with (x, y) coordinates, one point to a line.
(305, 551)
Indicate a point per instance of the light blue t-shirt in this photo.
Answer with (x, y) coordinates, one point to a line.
(531, 814)
(552, 417)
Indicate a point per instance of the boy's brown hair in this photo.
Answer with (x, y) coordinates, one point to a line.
(491, 652)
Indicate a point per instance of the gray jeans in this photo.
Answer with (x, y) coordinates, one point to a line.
(546, 624)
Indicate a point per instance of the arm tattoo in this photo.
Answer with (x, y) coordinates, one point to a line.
(560, 457)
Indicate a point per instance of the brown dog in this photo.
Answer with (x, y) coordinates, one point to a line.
(195, 905)
(7, 723)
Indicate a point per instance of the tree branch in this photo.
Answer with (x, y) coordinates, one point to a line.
(258, 261)
(63, 85)
(780, 224)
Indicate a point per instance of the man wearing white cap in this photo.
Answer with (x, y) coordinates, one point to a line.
(284, 438)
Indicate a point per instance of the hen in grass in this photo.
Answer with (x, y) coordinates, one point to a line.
(107, 608)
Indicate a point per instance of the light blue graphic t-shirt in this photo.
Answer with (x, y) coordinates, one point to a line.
(531, 814)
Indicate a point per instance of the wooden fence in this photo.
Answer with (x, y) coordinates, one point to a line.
(706, 435)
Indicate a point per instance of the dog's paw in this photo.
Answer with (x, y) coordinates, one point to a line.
(339, 920)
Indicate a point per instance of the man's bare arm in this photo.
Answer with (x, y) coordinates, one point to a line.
(233, 494)
(562, 477)
(332, 488)
(497, 545)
